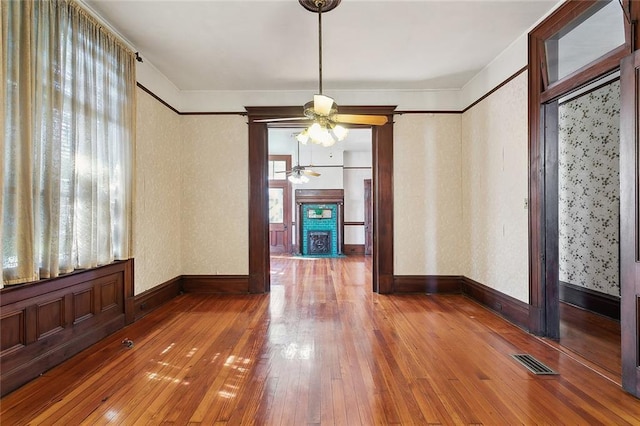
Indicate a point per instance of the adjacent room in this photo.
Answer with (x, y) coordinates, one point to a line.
(320, 212)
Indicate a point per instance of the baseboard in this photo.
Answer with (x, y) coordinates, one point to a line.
(153, 298)
(427, 284)
(222, 284)
(354, 249)
(506, 306)
(594, 301)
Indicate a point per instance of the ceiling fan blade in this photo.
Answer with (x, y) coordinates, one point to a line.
(322, 104)
(375, 120)
(273, 120)
(311, 173)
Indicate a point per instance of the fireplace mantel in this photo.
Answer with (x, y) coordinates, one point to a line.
(319, 196)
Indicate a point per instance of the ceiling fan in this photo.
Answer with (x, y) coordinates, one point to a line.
(298, 173)
(326, 128)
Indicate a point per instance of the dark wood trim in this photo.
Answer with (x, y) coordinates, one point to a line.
(427, 284)
(157, 98)
(382, 181)
(259, 251)
(382, 154)
(630, 221)
(47, 322)
(218, 284)
(591, 90)
(593, 301)
(155, 297)
(555, 22)
(319, 196)
(354, 249)
(241, 113)
(508, 307)
(495, 89)
(551, 221)
(426, 111)
(597, 69)
(163, 102)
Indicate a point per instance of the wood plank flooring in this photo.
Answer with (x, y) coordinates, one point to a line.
(320, 349)
(593, 337)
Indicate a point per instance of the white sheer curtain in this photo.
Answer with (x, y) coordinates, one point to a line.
(68, 116)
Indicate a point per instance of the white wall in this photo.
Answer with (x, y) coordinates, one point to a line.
(427, 189)
(494, 189)
(215, 194)
(157, 239)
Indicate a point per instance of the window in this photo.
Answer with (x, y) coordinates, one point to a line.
(68, 131)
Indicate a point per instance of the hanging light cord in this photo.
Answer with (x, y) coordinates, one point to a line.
(319, 4)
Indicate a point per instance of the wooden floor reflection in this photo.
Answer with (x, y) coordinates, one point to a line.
(320, 349)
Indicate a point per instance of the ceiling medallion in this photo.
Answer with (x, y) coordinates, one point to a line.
(314, 5)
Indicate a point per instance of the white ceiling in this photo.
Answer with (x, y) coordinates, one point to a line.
(245, 45)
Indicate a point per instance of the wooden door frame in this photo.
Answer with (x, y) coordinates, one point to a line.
(541, 294)
(287, 196)
(630, 222)
(368, 219)
(382, 156)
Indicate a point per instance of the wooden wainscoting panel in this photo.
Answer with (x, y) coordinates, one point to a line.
(83, 305)
(157, 296)
(13, 331)
(50, 317)
(427, 284)
(224, 284)
(594, 301)
(47, 322)
(508, 307)
(111, 292)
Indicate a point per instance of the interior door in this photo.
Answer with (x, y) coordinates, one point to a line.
(368, 218)
(630, 221)
(279, 204)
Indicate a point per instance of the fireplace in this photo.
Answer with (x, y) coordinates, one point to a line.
(319, 222)
(319, 242)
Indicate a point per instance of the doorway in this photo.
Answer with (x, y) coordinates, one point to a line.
(382, 170)
(345, 167)
(558, 67)
(279, 201)
(582, 179)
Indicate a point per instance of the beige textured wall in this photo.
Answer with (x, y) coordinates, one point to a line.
(494, 188)
(215, 195)
(157, 205)
(427, 195)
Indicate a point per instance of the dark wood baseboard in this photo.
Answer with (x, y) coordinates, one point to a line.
(506, 306)
(223, 284)
(157, 296)
(593, 301)
(354, 249)
(427, 284)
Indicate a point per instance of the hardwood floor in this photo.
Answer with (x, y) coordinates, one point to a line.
(321, 348)
(593, 337)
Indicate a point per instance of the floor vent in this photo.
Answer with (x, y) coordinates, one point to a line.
(535, 366)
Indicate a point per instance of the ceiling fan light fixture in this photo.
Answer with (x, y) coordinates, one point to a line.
(303, 136)
(298, 177)
(340, 132)
(323, 105)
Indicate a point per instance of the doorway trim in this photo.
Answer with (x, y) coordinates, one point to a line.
(382, 156)
(542, 310)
